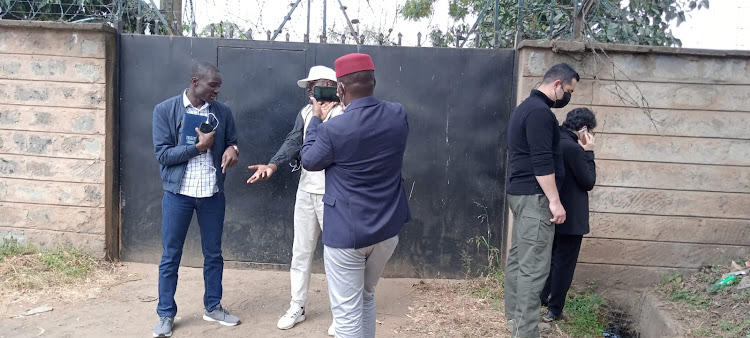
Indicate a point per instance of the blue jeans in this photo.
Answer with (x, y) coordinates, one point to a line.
(177, 212)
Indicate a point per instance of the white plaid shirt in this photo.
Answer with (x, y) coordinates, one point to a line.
(200, 176)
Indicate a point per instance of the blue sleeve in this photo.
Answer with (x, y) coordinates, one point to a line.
(230, 132)
(167, 152)
(317, 151)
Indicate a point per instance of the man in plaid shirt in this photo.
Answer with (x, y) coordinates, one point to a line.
(193, 180)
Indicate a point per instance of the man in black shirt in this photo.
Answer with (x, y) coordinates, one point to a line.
(536, 173)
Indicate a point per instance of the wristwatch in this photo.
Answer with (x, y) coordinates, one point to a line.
(236, 149)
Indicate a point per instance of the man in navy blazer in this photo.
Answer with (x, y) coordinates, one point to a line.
(362, 152)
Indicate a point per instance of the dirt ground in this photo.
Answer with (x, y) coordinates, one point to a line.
(122, 302)
(126, 307)
(708, 314)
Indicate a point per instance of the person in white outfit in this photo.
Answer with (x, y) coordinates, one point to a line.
(308, 208)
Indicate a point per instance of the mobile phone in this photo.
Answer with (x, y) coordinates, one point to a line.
(582, 134)
(206, 128)
(325, 94)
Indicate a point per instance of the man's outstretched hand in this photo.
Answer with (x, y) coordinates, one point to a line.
(262, 172)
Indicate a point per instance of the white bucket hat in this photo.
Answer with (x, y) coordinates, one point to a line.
(318, 73)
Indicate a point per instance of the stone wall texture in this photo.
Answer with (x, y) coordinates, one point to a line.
(56, 134)
(672, 154)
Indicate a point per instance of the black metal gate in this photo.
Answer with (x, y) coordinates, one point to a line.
(458, 102)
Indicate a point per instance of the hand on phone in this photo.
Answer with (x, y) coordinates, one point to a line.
(325, 94)
(205, 140)
(587, 141)
(582, 135)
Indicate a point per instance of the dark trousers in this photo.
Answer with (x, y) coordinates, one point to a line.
(177, 212)
(565, 250)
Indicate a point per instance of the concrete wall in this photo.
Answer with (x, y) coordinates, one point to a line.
(673, 189)
(57, 157)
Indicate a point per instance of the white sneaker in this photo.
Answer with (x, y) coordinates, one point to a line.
(331, 330)
(294, 315)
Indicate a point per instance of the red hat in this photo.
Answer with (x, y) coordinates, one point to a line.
(352, 63)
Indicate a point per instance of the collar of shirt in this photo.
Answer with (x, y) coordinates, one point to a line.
(569, 133)
(186, 102)
(363, 102)
(549, 102)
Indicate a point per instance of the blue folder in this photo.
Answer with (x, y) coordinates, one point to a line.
(188, 135)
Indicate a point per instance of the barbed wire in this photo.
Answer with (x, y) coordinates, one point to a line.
(244, 16)
(61, 10)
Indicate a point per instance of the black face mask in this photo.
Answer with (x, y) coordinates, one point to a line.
(562, 102)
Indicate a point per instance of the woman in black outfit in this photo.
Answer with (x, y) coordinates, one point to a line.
(577, 145)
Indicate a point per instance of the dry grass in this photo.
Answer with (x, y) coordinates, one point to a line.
(471, 308)
(474, 308)
(456, 309)
(706, 314)
(30, 275)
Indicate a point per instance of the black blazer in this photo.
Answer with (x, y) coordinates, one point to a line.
(580, 177)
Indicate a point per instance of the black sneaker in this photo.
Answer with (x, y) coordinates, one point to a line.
(551, 317)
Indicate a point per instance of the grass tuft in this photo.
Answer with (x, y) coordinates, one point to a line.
(28, 267)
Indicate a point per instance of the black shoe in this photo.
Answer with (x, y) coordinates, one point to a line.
(551, 317)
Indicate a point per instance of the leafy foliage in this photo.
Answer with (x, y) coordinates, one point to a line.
(417, 9)
(148, 15)
(222, 30)
(640, 22)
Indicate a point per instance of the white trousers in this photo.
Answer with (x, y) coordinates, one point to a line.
(352, 275)
(308, 223)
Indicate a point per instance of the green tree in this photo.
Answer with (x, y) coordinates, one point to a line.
(222, 29)
(639, 22)
(148, 15)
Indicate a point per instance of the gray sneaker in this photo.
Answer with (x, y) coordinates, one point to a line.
(163, 327)
(219, 314)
